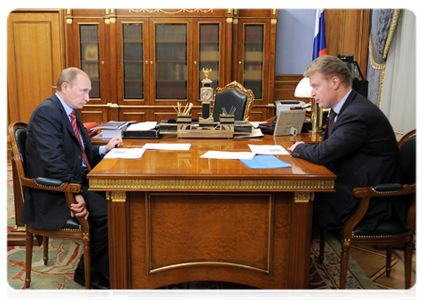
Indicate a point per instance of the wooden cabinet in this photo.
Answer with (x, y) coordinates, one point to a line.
(143, 62)
(254, 66)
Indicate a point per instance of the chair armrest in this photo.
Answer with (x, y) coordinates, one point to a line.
(382, 190)
(50, 184)
(388, 188)
(366, 194)
(57, 185)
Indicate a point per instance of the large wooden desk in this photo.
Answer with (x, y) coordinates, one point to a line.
(175, 217)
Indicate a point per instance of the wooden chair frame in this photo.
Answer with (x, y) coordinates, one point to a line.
(69, 189)
(386, 241)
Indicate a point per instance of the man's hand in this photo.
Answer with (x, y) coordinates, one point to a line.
(294, 146)
(114, 142)
(79, 209)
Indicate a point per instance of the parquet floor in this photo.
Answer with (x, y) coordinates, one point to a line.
(373, 263)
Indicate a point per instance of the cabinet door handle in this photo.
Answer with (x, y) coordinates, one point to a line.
(146, 62)
(151, 62)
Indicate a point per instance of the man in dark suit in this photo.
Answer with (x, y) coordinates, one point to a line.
(361, 148)
(54, 151)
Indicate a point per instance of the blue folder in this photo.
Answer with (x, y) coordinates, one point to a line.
(265, 162)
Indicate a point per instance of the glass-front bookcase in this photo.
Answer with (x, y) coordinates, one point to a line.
(171, 61)
(133, 58)
(254, 58)
(90, 56)
(209, 53)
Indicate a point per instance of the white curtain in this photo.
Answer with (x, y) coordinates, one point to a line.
(398, 99)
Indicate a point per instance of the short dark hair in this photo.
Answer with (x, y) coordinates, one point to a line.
(330, 66)
(68, 75)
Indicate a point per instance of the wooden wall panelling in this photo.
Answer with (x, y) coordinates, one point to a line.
(135, 113)
(285, 86)
(34, 59)
(97, 114)
(347, 33)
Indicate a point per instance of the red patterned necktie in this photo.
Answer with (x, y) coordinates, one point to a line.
(75, 129)
(331, 121)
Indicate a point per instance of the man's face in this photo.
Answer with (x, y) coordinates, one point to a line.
(77, 95)
(323, 90)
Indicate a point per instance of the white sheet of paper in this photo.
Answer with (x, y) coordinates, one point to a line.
(125, 153)
(163, 146)
(269, 149)
(228, 155)
(141, 126)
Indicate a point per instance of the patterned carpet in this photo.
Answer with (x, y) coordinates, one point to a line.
(64, 255)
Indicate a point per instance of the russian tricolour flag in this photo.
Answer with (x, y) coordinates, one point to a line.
(319, 44)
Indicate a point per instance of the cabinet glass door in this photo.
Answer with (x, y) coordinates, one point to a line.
(209, 53)
(254, 58)
(171, 56)
(90, 56)
(133, 57)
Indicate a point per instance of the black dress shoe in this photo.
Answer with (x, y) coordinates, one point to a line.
(98, 281)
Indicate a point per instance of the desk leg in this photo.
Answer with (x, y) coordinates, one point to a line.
(301, 237)
(118, 240)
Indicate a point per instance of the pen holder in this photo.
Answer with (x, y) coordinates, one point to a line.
(227, 119)
(182, 119)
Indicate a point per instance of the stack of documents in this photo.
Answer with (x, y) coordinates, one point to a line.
(264, 161)
(113, 128)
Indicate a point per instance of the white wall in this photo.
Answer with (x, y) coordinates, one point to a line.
(294, 44)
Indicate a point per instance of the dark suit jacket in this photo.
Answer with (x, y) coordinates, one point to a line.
(362, 151)
(53, 151)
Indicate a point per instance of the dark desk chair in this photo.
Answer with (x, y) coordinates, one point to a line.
(233, 94)
(388, 234)
(75, 228)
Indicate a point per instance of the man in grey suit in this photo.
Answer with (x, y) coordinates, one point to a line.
(54, 151)
(361, 148)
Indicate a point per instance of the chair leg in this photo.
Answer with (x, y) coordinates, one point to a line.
(344, 263)
(28, 250)
(87, 264)
(408, 255)
(388, 261)
(45, 248)
(322, 245)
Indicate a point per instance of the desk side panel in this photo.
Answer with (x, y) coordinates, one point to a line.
(239, 237)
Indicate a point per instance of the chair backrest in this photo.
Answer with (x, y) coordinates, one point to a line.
(233, 95)
(17, 135)
(407, 157)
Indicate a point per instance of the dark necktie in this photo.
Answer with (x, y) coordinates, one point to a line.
(331, 121)
(75, 129)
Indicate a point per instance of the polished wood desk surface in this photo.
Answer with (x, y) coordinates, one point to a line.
(188, 164)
